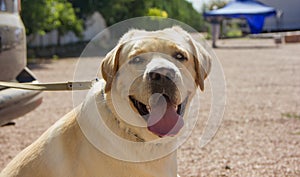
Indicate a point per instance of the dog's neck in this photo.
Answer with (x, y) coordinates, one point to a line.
(122, 128)
(116, 124)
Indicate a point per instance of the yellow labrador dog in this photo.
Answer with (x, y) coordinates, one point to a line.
(149, 79)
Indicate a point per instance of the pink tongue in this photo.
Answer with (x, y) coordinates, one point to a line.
(166, 123)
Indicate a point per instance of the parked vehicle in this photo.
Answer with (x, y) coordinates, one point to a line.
(14, 102)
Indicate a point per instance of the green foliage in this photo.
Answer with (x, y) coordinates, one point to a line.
(41, 16)
(157, 12)
(66, 18)
(232, 29)
(115, 11)
(35, 15)
(181, 10)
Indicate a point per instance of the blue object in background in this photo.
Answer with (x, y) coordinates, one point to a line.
(253, 11)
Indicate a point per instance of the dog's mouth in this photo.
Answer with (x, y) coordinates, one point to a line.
(162, 116)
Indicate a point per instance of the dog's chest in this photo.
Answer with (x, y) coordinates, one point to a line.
(110, 167)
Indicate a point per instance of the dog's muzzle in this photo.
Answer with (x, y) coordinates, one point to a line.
(165, 109)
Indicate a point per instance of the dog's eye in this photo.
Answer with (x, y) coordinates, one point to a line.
(179, 56)
(136, 60)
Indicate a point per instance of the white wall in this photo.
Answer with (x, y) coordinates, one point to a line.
(93, 25)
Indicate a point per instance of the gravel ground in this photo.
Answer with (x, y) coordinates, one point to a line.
(260, 131)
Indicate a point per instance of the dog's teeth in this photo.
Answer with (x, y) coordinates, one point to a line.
(148, 108)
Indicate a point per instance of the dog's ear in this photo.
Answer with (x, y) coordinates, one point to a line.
(110, 66)
(110, 63)
(202, 61)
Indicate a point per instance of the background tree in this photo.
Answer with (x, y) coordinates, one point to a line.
(42, 16)
(115, 11)
(36, 16)
(183, 11)
(157, 12)
(66, 19)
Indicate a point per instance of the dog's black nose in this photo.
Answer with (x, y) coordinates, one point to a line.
(161, 74)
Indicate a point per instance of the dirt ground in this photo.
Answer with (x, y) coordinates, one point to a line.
(260, 130)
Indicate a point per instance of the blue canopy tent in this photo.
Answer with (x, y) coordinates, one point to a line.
(253, 11)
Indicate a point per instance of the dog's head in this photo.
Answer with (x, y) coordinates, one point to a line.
(155, 75)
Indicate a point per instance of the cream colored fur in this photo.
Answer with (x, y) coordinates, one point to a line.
(70, 148)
